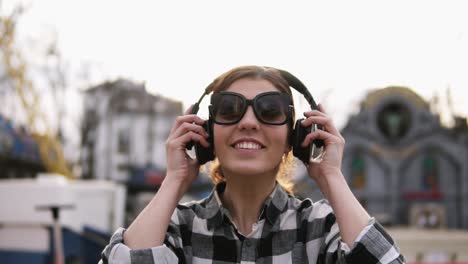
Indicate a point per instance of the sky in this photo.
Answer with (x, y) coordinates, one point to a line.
(339, 49)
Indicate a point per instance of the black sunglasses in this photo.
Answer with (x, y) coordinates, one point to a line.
(272, 108)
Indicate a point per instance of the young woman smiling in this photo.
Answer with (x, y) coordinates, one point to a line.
(252, 216)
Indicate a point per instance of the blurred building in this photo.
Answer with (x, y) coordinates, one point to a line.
(431, 246)
(123, 140)
(124, 132)
(403, 165)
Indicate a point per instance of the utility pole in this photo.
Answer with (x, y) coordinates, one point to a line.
(59, 255)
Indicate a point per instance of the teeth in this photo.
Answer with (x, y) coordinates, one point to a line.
(248, 145)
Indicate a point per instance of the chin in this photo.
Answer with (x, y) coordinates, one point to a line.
(249, 168)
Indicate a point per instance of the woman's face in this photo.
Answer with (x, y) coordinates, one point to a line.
(250, 147)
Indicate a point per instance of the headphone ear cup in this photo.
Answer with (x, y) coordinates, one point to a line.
(205, 154)
(298, 136)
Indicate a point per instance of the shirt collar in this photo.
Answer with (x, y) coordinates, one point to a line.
(272, 207)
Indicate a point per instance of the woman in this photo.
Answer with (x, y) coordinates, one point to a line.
(251, 215)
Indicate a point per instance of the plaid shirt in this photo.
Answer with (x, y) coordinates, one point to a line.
(288, 231)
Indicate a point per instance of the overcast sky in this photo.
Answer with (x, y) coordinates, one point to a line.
(340, 50)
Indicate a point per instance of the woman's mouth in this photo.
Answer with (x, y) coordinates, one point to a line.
(247, 145)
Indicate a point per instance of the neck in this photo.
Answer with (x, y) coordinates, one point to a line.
(244, 199)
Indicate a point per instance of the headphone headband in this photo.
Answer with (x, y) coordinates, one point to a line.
(295, 83)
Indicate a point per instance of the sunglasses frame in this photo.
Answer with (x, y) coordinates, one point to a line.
(251, 102)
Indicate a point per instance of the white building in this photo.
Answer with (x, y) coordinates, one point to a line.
(124, 130)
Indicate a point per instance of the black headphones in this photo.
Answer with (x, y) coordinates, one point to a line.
(297, 136)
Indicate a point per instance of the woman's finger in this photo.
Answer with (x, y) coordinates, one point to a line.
(320, 111)
(181, 141)
(324, 121)
(187, 127)
(320, 134)
(314, 112)
(192, 136)
(186, 119)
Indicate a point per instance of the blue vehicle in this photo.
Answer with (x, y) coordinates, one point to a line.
(19, 152)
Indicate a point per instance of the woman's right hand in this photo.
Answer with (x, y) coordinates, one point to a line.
(181, 171)
(180, 166)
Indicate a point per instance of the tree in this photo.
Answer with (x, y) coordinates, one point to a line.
(16, 70)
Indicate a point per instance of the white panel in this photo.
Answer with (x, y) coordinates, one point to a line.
(24, 238)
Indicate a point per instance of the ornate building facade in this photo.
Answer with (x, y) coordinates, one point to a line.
(403, 165)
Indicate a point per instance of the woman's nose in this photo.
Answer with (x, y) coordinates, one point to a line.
(249, 120)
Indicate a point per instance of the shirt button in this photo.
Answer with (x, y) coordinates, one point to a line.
(248, 243)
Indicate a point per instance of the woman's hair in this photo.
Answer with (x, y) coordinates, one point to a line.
(284, 174)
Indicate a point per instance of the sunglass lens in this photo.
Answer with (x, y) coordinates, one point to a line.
(272, 109)
(229, 109)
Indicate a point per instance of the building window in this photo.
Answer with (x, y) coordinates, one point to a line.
(124, 142)
(394, 121)
(430, 177)
(358, 173)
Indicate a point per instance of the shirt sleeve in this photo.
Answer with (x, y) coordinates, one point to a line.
(372, 245)
(117, 252)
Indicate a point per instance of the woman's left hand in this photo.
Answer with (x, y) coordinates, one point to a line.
(334, 143)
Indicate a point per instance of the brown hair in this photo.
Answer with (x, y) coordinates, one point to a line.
(284, 174)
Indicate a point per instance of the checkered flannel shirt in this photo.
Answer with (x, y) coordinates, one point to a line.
(288, 231)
